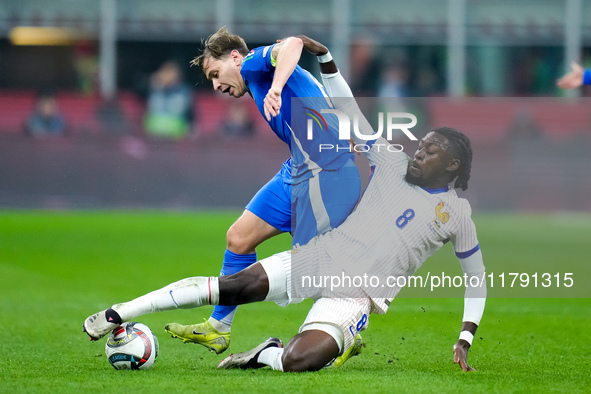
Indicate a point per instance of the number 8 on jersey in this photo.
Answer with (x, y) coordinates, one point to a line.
(406, 217)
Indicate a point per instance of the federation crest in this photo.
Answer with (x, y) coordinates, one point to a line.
(442, 217)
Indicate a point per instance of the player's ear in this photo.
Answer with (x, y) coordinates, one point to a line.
(453, 165)
(236, 57)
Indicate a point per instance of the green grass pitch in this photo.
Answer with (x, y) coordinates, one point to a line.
(56, 268)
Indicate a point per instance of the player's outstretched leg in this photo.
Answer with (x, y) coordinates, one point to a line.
(243, 237)
(308, 351)
(186, 293)
(214, 333)
(250, 285)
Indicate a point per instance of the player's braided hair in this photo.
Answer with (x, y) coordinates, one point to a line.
(462, 150)
(219, 45)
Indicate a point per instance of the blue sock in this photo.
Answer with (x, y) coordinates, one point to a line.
(233, 263)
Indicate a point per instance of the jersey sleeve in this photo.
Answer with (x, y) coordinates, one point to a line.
(378, 150)
(465, 240)
(257, 65)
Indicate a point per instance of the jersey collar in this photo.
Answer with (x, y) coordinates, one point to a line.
(436, 191)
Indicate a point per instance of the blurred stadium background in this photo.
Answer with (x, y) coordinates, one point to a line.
(487, 68)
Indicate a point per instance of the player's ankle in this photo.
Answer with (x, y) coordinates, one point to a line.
(219, 325)
(113, 316)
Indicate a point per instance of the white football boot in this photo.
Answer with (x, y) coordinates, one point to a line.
(98, 325)
(248, 360)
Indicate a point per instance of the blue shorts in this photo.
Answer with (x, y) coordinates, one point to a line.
(318, 204)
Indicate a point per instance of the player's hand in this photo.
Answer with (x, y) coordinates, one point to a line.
(353, 144)
(272, 103)
(461, 355)
(573, 79)
(312, 46)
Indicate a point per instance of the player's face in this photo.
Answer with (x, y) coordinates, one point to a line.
(433, 163)
(225, 74)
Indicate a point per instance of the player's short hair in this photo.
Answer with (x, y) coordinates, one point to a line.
(219, 45)
(462, 151)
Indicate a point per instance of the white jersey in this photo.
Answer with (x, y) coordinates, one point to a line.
(396, 227)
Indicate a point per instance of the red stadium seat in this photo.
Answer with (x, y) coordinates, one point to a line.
(15, 107)
(490, 119)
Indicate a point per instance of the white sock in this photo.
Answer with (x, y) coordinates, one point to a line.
(271, 356)
(221, 325)
(186, 293)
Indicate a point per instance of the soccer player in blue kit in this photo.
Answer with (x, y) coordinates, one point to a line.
(313, 192)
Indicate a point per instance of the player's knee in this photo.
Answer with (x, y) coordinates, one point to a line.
(244, 287)
(238, 241)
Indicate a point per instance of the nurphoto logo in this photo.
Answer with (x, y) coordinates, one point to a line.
(345, 124)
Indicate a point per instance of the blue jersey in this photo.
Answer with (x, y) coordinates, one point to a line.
(291, 124)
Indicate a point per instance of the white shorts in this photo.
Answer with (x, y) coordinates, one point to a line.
(341, 315)
(341, 318)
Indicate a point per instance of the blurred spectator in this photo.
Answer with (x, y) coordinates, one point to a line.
(532, 72)
(169, 113)
(364, 66)
(394, 81)
(112, 119)
(86, 63)
(427, 83)
(46, 118)
(238, 123)
(393, 86)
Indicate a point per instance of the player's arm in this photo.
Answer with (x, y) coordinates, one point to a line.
(286, 56)
(342, 98)
(575, 78)
(336, 87)
(328, 68)
(467, 250)
(474, 302)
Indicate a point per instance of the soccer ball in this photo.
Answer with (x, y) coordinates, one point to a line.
(132, 346)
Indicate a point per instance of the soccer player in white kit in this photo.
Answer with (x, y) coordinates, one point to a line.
(407, 213)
